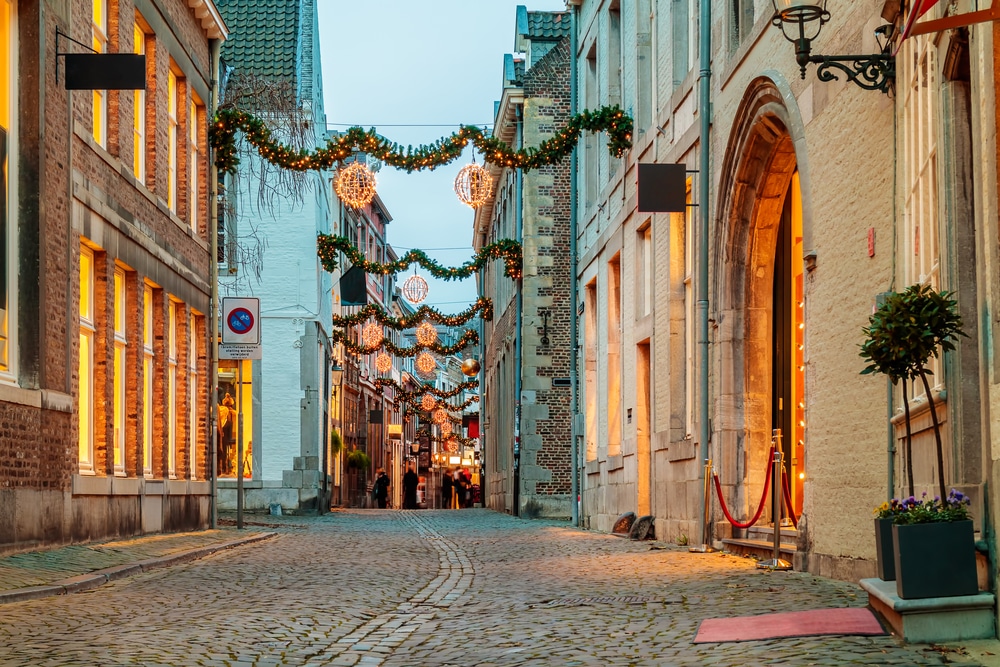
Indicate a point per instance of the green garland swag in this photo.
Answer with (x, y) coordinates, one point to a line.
(427, 389)
(327, 247)
(470, 337)
(222, 135)
(413, 402)
(377, 312)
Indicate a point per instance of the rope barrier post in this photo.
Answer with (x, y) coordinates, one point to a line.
(776, 563)
(706, 543)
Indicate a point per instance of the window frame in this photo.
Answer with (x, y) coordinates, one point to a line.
(172, 371)
(120, 370)
(148, 372)
(173, 156)
(85, 391)
(99, 42)
(9, 195)
(139, 111)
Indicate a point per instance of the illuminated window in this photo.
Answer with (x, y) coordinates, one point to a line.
(119, 372)
(172, 391)
(147, 380)
(8, 176)
(195, 114)
(99, 21)
(192, 396)
(139, 113)
(172, 114)
(85, 405)
(689, 316)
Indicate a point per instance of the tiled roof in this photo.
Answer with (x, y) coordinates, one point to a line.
(542, 25)
(263, 36)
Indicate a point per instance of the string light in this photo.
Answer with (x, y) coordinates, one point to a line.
(473, 185)
(428, 402)
(425, 363)
(440, 416)
(483, 306)
(415, 289)
(427, 333)
(445, 428)
(355, 185)
(383, 363)
(372, 334)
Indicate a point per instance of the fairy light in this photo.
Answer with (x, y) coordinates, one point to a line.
(428, 402)
(355, 185)
(439, 416)
(415, 289)
(427, 333)
(383, 363)
(425, 363)
(372, 334)
(473, 185)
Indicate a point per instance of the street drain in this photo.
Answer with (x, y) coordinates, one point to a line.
(576, 602)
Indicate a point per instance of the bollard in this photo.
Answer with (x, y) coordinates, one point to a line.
(706, 543)
(776, 563)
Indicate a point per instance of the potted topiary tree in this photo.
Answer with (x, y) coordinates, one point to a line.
(902, 336)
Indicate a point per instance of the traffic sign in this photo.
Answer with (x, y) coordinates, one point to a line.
(240, 320)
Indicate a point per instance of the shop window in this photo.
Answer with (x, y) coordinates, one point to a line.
(172, 390)
(192, 396)
(85, 404)
(235, 404)
(8, 180)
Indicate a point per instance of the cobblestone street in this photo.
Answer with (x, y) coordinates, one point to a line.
(436, 588)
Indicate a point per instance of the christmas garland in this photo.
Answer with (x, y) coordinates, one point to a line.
(375, 311)
(222, 135)
(327, 247)
(413, 402)
(427, 389)
(470, 337)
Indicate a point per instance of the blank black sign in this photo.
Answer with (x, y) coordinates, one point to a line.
(662, 188)
(105, 71)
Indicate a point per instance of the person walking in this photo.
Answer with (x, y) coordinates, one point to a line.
(456, 483)
(410, 482)
(446, 488)
(382, 484)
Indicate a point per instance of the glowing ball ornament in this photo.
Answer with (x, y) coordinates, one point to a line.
(428, 402)
(415, 289)
(427, 333)
(446, 428)
(372, 334)
(440, 416)
(355, 185)
(470, 367)
(383, 363)
(473, 185)
(425, 363)
(451, 444)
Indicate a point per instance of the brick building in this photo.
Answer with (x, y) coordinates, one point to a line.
(104, 360)
(526, 351)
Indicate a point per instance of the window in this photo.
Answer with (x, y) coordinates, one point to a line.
(644, 67)
(684, 38)
(644, 271)
(741, 21)
(85, 406)
(590, 366)
(614, 379)
(192, 396)
(8, 175)
(689, 316)
(590, 153)
(195, 114)
(172, 115)
(139, 113)
(147, 380)
(99, 22)
(172, 391)
(120, 373)
(614, 54)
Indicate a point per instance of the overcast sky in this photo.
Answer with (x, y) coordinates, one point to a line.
(394, 63)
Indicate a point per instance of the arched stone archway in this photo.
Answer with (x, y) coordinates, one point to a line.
(765, 149)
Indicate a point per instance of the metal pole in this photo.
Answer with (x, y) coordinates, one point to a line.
(239, 444)
(573, 322)
(776, 563)
(704, 176)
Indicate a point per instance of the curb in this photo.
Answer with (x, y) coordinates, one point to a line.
(96, 579)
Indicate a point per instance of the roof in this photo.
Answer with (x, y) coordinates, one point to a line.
(263, 36)
(542, 25)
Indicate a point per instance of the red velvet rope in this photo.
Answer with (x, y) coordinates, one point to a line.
(763, 498)
(788, 498)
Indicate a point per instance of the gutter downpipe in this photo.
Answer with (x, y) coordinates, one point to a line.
(519, 198)
(574, 295)
(704, 110)
(213, 244)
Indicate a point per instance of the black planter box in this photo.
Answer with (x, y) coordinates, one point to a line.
(883, 548)
(935, 560)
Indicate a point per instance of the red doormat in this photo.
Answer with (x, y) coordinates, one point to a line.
(840, 621)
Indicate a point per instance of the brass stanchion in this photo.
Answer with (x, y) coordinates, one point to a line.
(776, 563)
(706, 542)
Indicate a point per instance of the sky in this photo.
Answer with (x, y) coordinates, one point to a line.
(397, 65)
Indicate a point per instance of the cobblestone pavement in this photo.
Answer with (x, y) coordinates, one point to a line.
(438, 588)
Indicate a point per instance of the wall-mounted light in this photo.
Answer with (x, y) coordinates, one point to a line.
(800, 22)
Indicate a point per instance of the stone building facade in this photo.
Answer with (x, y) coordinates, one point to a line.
(104, 199)
(526, 413)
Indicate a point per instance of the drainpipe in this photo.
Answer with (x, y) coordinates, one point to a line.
(573, 292)
(704, 111)
(213, 244)
(519, 198)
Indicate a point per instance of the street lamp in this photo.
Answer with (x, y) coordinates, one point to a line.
(336, 373)
(801, 21)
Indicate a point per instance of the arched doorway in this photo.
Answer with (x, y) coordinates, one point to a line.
(758, 263)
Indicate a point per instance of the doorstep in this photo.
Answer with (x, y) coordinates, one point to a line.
(932, 620)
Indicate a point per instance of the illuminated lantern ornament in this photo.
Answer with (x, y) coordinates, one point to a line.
(473, 184)
(451, 445)
(428, 402)
(470, 367)
(415, 289)
(440, 416)
(446, 428)
(383, 363)
(425, 363)
(355, 185)
(427, 333)
(372, 335)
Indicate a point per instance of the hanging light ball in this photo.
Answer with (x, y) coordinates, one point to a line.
(470, 367)
(446, 428)
(427, 333)
(451, 444)
(473, 185)
(355, 185)
(372, 334)
(425, 363)
(383, 363)
(415, 289)
(440, 416)
(428, 402)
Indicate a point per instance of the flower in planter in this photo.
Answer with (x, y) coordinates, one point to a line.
(953, 508)
(889, 509)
